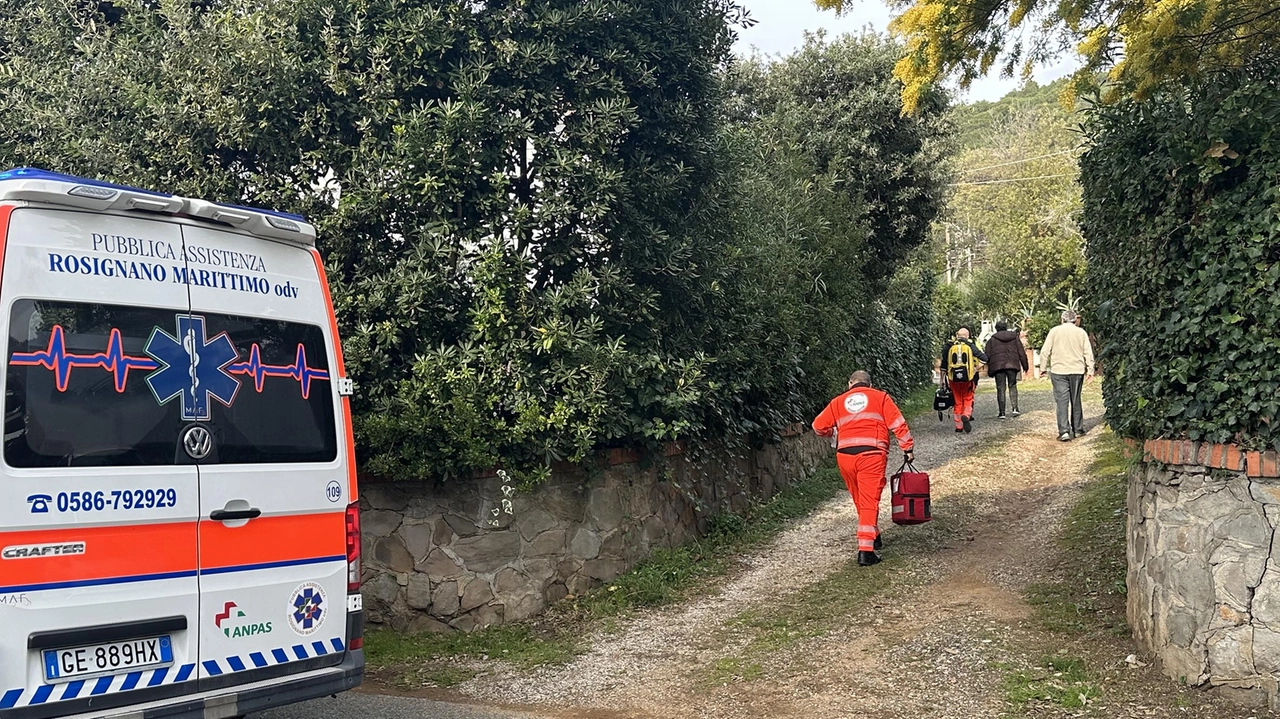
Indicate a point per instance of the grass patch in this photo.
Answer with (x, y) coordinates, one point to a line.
(1091, 595)
(1058, 680)
(516, 644)
(414, 660)
(918, 401)
(670, 574)
(735, 669)
(810, 612)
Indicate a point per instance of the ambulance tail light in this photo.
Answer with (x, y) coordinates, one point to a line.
(353, 548)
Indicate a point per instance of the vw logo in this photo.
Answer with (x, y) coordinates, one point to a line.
(197, 441)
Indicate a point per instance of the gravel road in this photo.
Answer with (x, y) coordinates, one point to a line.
(656, 656)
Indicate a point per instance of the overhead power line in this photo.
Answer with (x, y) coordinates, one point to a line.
(1017, 162)
(1011, 179)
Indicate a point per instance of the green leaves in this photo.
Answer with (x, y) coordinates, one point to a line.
(546, 228)
(1015, 206)
(832, 188)
(1184, 249)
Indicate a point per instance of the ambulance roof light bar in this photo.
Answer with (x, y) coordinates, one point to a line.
(36, 185)
(35, 173)
(276, 225)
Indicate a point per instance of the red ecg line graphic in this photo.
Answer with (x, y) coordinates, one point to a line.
(55, 357)
(298, 370)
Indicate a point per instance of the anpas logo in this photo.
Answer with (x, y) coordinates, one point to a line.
(34, 551)
(855, 403)
(233, 623)
(307, 608)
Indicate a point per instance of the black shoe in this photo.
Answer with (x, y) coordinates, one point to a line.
(1081, 432)
(1016, 413)
(866, 559)
(958, 430)
(1001, 416)
(968, 424)
(879, 543)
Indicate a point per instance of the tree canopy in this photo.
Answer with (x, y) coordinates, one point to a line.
(550, 226)
(842, 193)
(1134, 44)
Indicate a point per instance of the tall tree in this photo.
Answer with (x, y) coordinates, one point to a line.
(862, 185)
(509, 194)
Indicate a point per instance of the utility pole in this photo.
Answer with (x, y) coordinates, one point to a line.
(946, 229)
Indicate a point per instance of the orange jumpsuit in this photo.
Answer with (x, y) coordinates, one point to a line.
(963, 392)
(861, 420)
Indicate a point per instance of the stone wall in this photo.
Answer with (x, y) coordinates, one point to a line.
(474, 553)
(1204, 566)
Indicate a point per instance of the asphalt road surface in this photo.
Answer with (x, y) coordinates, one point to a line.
(354, 705)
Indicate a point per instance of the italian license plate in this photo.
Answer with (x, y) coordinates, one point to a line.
(64, 665)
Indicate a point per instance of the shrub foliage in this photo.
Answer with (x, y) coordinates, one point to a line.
(1182, 219)
(550, 225)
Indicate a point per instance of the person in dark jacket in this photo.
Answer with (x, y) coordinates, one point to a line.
(1005, 358)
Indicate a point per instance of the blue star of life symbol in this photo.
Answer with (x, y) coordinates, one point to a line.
(192, 366)
(307, 609)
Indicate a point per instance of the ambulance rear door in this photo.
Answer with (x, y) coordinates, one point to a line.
(273, 474)
(98, 508)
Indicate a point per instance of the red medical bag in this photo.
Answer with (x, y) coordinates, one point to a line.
(910, 496)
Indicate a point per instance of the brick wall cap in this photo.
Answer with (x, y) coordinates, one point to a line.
(1231, 457)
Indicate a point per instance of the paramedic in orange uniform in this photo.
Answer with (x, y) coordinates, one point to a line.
(963, 391)
(861, 420)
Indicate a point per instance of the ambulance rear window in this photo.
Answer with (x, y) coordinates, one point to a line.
(94, 384)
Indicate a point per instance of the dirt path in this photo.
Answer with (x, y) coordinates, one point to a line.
(661, 656)
(931, 634)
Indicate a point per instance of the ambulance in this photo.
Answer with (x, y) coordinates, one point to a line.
(178, 528)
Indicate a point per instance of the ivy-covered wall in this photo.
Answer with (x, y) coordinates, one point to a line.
(1182, 219)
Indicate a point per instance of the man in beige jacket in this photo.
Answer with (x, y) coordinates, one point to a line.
(1068, 358)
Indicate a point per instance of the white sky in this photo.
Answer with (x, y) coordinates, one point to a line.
(780, 27)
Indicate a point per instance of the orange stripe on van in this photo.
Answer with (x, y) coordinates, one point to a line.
(273, 540)
(5, 212)
(342, 372)
(133, 550)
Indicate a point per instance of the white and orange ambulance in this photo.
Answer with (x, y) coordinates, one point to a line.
(178, 528)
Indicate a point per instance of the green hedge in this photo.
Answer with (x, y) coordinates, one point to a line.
(1182, 220)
